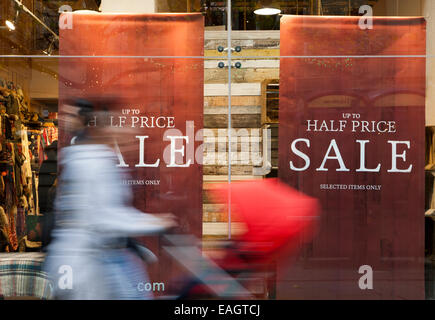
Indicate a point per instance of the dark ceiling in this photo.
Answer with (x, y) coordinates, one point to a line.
(31, 38)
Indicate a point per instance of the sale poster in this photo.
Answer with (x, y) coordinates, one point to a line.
(351, 134)
(152, 67)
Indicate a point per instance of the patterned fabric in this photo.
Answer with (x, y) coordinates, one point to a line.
(21, 223)
(12, 231)
(21, 275)
(50, 134)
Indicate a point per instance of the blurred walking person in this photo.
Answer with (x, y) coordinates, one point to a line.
(89, 256)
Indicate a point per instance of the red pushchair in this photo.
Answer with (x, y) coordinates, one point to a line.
(277, 219)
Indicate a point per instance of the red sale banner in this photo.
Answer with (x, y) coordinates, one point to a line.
(351, 133)
(152, 67)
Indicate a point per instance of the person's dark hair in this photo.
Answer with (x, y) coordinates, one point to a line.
(94, 106)
(86, 108)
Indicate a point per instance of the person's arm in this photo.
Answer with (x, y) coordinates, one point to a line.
(116, 217)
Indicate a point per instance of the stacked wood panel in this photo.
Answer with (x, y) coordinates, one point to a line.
(260, 64)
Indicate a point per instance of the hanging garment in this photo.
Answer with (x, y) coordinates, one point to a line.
(2, 185)
(430, 144)
(41, 147)
(19, 161)
(48, 216)
(10, 193)
(15, 105)
(13, 237)
(7, 127)
(47, 177)
(21, 222)
(4, 228)
(429, 167)
(9, 103)
(27, 167)
(33, 197)
(50, 135)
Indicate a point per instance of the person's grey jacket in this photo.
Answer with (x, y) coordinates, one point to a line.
(93, 212)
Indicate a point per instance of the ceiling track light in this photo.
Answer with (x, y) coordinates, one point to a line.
(267, 8)
(267, 11)
(21, 6)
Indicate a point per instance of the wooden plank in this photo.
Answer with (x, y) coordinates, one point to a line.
(214, 216)
(217, 178)
(234, 110)
(243, 35)
(214, 207)
(246, 64)
(237, 158)
(213, 44)
(223, 132)
(275, 162)
(254, 75)
(235, 101)
(221, 228)
(237, 89)
(223, 170)
(237, 120)
(219, 216)
(245, 53)
(207, 197)
(274, 131)
(239, 137)
(240, 75)
(207, 186)
(240, 146)
(243, 141)
(243, 150)
(274, 144)
(266, 43)
(266, 86)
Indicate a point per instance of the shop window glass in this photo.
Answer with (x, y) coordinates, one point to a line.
(34, 78)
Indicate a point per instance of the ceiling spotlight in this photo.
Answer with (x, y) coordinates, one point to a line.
(11, 25)
(267, 11)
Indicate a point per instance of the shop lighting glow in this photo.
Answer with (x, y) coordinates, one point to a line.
(10, 25)
(267, 11)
